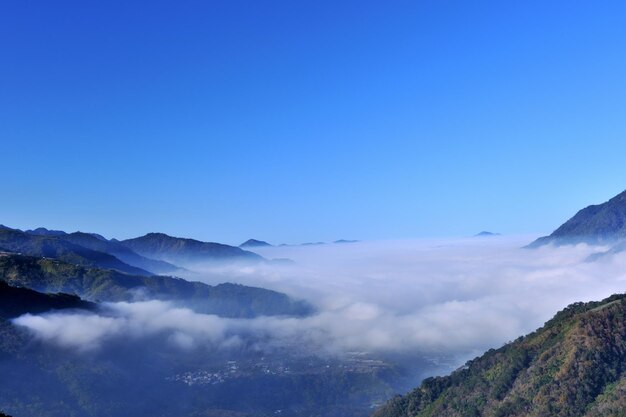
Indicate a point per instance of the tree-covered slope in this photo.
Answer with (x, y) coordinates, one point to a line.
(17, 301)
(186, 251)
(56, 247)
(574, 366)
(594, 224)
(229, 300)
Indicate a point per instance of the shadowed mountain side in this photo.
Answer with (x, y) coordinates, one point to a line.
(186, 251)
(17, 301)
(58, 248)
(603, 223)
(121, 252)
(573, 366)
(227, 300)
(42, 231)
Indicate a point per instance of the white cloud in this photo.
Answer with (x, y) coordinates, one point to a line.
(454, 297)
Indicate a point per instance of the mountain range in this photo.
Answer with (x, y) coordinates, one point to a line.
(573, 366)
(45, 272)
(94, 284)
(97, 269)
(154, 253)
(58, 247)
(254, 243)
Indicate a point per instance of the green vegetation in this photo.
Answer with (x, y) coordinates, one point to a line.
(574, 366)
(227, 300)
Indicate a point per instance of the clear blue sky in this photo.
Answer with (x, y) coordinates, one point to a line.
(297, 121)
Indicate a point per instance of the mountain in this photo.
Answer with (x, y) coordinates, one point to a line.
(42, 231)
(228, 300)
(182, 251)
(602, 223)
(115, 248)
(253, 243)
(17, 301)
(58, 247)
(98, 236)
(486, 234)
(574, 366)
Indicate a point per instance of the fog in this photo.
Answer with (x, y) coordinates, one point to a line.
(453, 297)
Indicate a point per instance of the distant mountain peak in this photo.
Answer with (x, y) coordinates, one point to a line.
(485, 233)
(254, 243)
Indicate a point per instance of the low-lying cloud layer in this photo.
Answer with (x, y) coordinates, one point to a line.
(453, 297)
(86, 331)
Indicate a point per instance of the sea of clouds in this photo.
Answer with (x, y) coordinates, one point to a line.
(453, 297)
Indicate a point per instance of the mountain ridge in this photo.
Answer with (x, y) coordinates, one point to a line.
(160, 253)
(58, 247)
(184, 250)
(594, 224)
(115, 248)
(93, 284)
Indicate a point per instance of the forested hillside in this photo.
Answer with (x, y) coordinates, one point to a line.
(94, 284)
(574, 366)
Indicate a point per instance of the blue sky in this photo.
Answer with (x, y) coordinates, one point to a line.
(309, 120)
